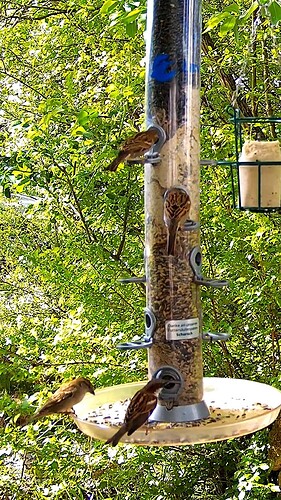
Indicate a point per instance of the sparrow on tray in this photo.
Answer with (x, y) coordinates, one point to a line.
(62, 401)
(140, 408)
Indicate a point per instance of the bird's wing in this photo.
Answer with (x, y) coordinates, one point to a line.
(117, 436)
(59, 396)
(141, 142)
(131, 140)
(141, 403)
(143, 410)
(122, 155)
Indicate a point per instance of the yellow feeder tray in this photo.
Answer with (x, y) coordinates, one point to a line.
(237, 407)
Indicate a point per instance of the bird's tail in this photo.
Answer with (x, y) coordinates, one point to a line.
(114, 440)
(114, 164)
(24, 420)
(172, 235)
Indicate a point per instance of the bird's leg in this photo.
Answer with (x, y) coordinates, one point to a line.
(70, 412)
(148, 427)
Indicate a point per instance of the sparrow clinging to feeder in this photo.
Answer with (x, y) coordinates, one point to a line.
(134, 147)
(176, 211)
(68, 395)
(140, 408)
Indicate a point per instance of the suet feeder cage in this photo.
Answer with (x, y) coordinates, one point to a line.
(256, 171)
(193, 409)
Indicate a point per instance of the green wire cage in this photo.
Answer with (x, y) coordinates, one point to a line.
(256, 173)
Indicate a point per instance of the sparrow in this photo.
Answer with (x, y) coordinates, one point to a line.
(176, 211)
(68, 395)
(134, 147)
(140, 408)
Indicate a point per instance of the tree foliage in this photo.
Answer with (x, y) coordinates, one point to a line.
(72, 89)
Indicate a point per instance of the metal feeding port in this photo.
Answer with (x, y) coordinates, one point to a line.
(170, 391)
(146, 342)
(167, 409)
(195, 258)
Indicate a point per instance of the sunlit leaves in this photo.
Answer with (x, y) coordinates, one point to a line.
(62, 310)
(231, 17)
(274, 9)
(124, 14)
(108, 6)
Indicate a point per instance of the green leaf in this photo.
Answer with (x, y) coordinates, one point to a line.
(250, 11)
(133, 15)
(131, 29)
(83, 117)
(227, 25)
(33, 134)
(21, 186)
(242, 279)
(78, 131)
(215, 20)
(69, 83)
(232, 8)
(275, 12)
(7, 192)
(108, 6)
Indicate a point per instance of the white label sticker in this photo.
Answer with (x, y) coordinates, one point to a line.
(182, 329)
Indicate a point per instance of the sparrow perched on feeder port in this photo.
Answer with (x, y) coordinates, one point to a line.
(140, 408)
(68, 395)
(134, 147)
(176, 211)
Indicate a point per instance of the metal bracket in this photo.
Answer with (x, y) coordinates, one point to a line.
(147, 341)
(133, 280)
(208, 163)
(215, 337)
(137, 344)
(195, 260)
(210, 282)
(190, 225)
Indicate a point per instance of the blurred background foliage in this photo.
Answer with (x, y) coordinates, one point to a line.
(72, 89)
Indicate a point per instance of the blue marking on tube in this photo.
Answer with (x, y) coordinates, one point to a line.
(193, 68)
(161, 69)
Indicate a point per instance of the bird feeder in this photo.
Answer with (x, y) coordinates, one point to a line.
(172, 169)
(173, 315)
(256, 172)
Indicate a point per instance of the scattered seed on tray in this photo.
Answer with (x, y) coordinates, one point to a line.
(113, 415)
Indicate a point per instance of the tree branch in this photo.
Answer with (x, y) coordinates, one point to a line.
(228, 80)
(125, 220)
(91, 237)
(8, 75)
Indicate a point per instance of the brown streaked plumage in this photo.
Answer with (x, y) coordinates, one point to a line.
(140, 408)
(68, 395)
(176, 211)
(134, 147)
